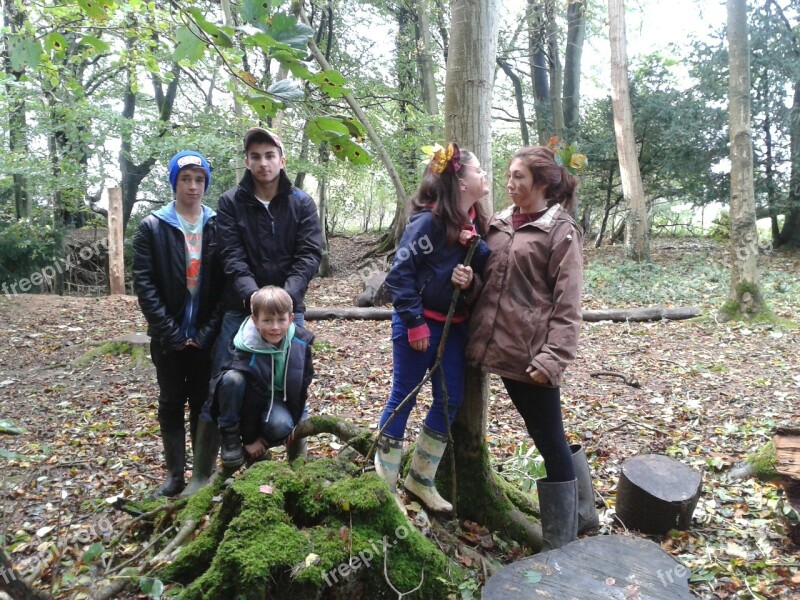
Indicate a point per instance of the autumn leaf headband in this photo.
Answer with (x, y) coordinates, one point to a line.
(567, 155)
(441, 159)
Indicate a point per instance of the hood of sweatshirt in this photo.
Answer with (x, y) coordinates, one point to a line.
(248, 339)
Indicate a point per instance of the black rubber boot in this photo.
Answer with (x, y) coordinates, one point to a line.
(175, 456)
(232, 455)
(587, 513)
(298, 448)
(558, 507)
(206, 449)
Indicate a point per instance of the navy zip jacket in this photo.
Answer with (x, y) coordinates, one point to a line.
(159, 278)
(422, 267)
(258, 371)
(279, 246)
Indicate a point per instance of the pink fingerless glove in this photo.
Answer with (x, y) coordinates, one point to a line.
(419, 332)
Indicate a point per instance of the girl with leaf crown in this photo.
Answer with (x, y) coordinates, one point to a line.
(446, 213)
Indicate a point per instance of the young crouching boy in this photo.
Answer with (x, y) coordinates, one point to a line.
(259, 396)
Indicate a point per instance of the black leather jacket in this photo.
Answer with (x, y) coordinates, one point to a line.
(159, 278)
(281, 247)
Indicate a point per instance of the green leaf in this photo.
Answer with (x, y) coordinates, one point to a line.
(7, 426)
(321, 129)
(256, 11)
(287, 30)
(96, 9)
(23, 52)
(152, 587)
(263, 105)
(190, 47)
(286, 90)
(93, 552)
(345, 149)
(219, 35)
(289, 59)
(55, 42)
(331, 82)
(99, 45)
(8, 454)
(532, 576)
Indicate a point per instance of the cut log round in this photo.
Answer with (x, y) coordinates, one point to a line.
(657, 493)
(652, 313)
(607, 566)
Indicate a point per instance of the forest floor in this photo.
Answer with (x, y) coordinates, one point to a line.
(709, 394)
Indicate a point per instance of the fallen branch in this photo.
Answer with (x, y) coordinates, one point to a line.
(627, 381)
(15, 586)
(617, 315)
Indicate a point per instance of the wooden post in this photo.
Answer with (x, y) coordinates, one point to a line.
(116, 258)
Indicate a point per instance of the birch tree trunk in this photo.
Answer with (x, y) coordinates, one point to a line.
(637, 243)
(470, 71)
(745, 293)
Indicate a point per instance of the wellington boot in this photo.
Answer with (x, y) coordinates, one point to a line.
(587, 513)
(206, 449)
(232, 454)
(421, 480)
(558, 508)
(387, 465)
(174, 442)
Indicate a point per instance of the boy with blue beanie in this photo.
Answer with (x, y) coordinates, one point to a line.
(177, 275)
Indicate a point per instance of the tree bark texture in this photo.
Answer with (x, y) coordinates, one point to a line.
(17, 125)
(576, 29)
(637, 244)
(745, 289)
(539, 72)
(554, 68)
(425, 59)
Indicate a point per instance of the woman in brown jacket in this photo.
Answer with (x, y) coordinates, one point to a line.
(525, 322)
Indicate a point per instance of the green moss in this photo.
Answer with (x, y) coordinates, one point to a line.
(317, 531)
(517, 497)
(763, 462)
(138, 354)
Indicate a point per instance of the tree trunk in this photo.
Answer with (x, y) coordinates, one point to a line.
(555, 70)
(425, 60)
(518, 97)
(637, 244)
(132, 174)
(539, 74)
(17, 126)
(468, 92)
(745, 292)
(576, 28)
(322, 197)
(790, 232)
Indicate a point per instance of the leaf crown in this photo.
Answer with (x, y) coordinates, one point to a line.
(567, 155)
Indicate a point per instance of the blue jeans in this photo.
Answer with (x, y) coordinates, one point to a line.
(233, 411)
(409, 368)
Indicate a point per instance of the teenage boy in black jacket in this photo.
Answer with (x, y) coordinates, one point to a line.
(177, 276)
(269, 235)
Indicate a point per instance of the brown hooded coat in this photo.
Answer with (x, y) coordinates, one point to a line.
(528, 308)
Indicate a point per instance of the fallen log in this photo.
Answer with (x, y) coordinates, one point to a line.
(617, 315)
(657, 493)
(606, 566)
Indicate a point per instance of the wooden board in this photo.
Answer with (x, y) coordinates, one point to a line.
(608, 566)
(787, 452)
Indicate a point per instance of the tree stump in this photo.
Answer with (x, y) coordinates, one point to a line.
(608, 566)
(656, 493)
(307, 529)
(375, 292)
